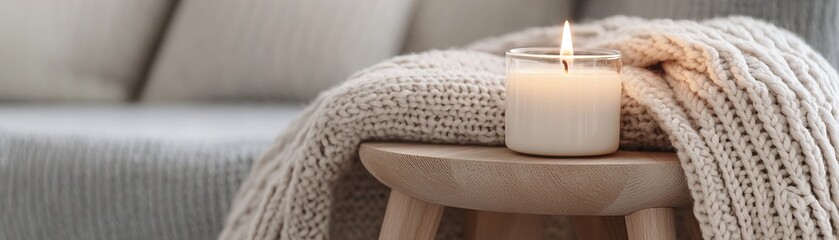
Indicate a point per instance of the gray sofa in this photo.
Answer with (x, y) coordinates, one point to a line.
(138, 119)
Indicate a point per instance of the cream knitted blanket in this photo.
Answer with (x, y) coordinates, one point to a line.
(750, 108)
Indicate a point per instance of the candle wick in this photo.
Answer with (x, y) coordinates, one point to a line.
(565, 63)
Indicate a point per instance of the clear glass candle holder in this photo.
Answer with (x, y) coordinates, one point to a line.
(563, 105)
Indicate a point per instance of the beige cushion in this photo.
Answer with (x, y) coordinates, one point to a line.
(272, 49)
(450, 23)
(76, 49)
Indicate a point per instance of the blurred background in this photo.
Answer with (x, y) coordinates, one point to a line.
(138, 119)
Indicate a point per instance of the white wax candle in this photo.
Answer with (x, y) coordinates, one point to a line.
(551, 112)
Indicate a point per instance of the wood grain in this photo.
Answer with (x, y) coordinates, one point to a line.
(484, 225)
(651, 224)
(498, 179)
(410, 219)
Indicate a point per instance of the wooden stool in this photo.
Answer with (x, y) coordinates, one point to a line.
(512, 191)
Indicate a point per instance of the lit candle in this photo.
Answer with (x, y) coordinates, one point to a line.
(563, 102)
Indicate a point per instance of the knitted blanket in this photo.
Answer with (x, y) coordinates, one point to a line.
(750, 109)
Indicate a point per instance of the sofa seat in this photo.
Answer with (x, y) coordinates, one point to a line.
(127, 172)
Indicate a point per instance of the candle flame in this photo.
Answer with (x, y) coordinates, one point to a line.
(566, 48)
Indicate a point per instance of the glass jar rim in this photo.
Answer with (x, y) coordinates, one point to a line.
(537, 53)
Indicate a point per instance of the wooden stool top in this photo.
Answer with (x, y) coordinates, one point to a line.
(498, 179)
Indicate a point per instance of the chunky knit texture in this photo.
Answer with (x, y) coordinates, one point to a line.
(749, 108)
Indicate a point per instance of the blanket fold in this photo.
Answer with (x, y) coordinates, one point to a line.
(749, 108)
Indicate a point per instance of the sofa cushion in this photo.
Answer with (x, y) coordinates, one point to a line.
(272, 49)
(121, 172)
(90, 50)
(440, 24)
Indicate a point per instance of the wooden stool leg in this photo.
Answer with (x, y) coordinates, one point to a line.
(484, 225)
(600, 228)
(409, 218)
(651, 224)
